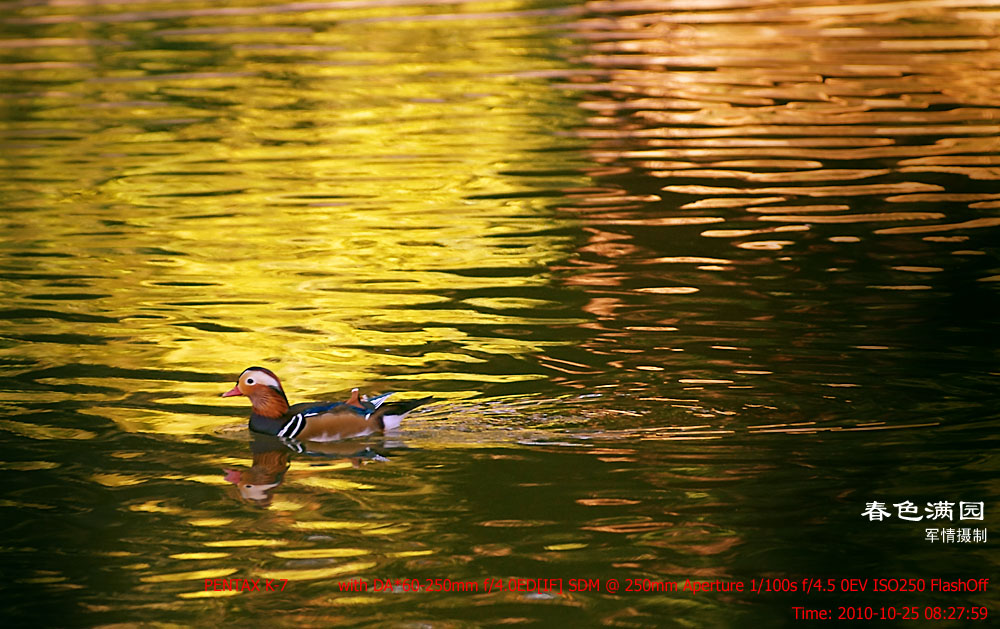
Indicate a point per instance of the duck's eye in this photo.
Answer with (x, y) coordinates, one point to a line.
(249, 380)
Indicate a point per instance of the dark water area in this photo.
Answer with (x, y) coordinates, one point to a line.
(693, 286)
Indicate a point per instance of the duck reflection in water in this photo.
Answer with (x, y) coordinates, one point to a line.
(271, 459)
(272, 456)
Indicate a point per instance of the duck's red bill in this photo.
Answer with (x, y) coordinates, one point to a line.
(234, 391)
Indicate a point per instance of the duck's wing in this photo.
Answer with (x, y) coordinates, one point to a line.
(326, 421)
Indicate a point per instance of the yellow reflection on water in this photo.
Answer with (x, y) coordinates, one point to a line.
(317, 553)
(245, 543)
(40, 431)
(307, 574)
(199, 556)
(194, 575)
(272, 186)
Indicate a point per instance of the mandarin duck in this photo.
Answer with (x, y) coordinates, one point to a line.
(315, 421)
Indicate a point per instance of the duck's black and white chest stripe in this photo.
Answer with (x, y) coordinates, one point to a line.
(297, 422)
(294, 426)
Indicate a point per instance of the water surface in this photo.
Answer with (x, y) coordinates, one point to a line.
(691, 282)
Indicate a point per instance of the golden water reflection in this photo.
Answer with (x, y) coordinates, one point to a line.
(898, 88)
(205, 188)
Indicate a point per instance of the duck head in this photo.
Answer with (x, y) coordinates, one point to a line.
(264, 390)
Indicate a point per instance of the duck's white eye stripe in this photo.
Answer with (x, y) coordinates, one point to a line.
(263, 378)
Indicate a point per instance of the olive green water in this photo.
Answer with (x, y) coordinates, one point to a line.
(692, 283)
